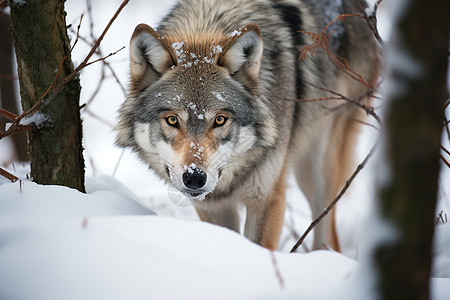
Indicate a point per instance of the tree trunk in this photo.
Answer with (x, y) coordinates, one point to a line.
(414, 122)
(41, 43)
(8, 94)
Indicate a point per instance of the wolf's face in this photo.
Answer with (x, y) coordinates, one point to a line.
(190, 107)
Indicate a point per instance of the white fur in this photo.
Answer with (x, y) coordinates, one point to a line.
(246, 140)
(142, 135)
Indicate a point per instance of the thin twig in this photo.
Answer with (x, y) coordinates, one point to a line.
(446, 126)
(321, 40)
(445, 150)
(99, 118)
(339, 196)
(444, 160)
(446, 122)
(277, 269)
(369, 110)
(15, 126)
(367, 124)
(97, 89)
(107, 64)
(7, 114)
(441, 219)
(116, 77)
(103, 58)
(8, 175)
(8, 77)
(97, 43)
(91, 20)
(317, 99)
(118, 163)
(78, 33)
(371, 20)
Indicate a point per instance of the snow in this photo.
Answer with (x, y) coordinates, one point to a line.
(38, 119)
(192, 106)
(218, 96)
(370, 10)
(217, 49)
(62, 244)
(179, 52)
(235, 33)
(19, 2)
(190, 168)
(183, 58)
(106, 197)
(441, 251)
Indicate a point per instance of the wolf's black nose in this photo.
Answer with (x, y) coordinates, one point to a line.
(194, 180)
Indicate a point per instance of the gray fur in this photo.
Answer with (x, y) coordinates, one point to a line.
(281, 133)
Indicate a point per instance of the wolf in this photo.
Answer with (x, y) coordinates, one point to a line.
(211, 107)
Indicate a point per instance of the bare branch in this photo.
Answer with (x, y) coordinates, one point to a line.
(103, 58)
(446, 123)
(15, 126)
(321, 40)
(367, 124)
(445, 150)
(444, 160)
(78, 33)
(339, 196)
(369, 110)
(441, 219)
(371, 20)
(8, 77)
(97, 89)
(107, 64)
(9, 115)
(97, 43)
(8, 175)
(115, 77)
(99, 118)
(277, 269)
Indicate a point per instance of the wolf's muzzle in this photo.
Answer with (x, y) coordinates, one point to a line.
(194, 180)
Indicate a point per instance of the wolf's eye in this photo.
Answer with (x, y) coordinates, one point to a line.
(172, 121)
(220, 121)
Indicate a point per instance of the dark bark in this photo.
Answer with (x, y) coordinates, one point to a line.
(8, 94)
(41, 43)
(413, 125)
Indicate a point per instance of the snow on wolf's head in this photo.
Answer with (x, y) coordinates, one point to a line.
(190, 107)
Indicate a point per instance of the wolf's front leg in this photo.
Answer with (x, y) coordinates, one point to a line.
(223, 215)
(265, 220)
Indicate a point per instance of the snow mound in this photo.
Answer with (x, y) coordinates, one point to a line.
(107, 197)
(441, 251)
(138, 257)
(57, 243)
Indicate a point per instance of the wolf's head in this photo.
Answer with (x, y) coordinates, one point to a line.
(190, 108)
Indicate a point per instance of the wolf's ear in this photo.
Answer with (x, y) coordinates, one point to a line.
(150, 54)
(243, 52)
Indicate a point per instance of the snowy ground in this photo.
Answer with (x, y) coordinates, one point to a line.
(56, 243)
